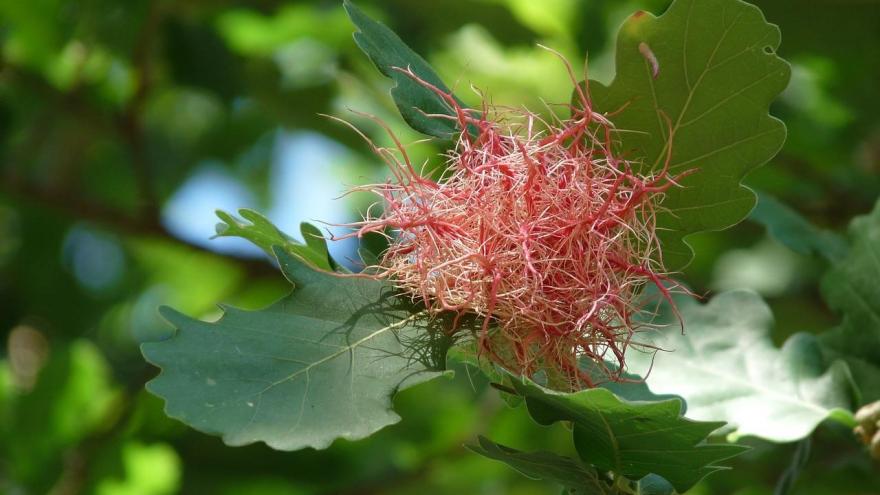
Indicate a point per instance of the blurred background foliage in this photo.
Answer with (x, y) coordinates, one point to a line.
(123, 125)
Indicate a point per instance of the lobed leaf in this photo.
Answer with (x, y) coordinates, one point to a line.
(322, 363)
(632, 439)
(265, 235)
(851, 288)
(726, 367)
(710, 68)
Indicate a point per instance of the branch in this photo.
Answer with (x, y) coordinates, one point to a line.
(70, 205)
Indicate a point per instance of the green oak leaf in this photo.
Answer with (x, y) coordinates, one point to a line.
(851, 287)
(794, 231)
(568, 472)
(322, 363)
(264, 234)
(389, 53)
(632, 439)
(710, 67)
(727, 368)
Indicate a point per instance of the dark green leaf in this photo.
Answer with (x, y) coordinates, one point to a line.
(566, 471)
(710, 67)
(727, 368)
(266, 235)
(389, 53)
(794, 231)
(632, 439)
(320, 364)
(851, 287)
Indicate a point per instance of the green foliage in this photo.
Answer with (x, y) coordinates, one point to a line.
(632, 439)
(111, 111)
(71, 401)
(566, 471)
(794, 231)
(695, 85)
(390, 53)
(851, 288)
(148, 470)
(321, 364)
(266, 236)
(727, 368)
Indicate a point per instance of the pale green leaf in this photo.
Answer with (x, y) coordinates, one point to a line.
(710, 67)
(632, 439)
(265, 235)
(320, 364)
(727, 368)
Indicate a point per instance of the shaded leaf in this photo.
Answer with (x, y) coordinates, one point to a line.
(321, 364)
(388, 52)
(632, 439)
(710, 67)
(794, 231)
(851, 288)
(566, 471)
(265, 235)
(727, 368)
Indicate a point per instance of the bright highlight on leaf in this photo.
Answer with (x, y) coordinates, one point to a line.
(726, 367)
(260, 231)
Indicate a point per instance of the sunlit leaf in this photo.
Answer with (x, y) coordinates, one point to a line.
(727, 368)
(263, 233)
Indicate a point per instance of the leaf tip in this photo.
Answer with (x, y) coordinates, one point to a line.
(172, 316)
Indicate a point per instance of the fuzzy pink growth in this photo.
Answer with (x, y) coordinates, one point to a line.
(538, 227)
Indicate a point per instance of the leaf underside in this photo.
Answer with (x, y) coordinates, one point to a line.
(321, 364)
(710, 67)
(726, 367)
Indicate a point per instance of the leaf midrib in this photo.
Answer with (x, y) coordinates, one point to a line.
(343, 350)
